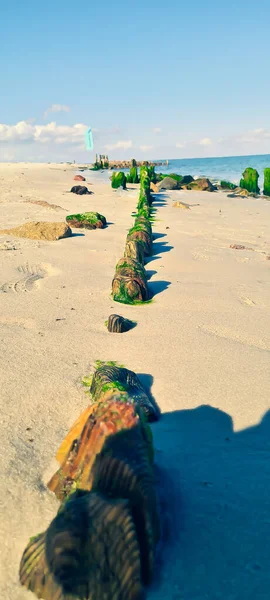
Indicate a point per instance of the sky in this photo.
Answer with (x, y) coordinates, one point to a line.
(153, 79)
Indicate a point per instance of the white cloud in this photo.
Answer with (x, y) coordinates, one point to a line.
(205, 142)
(146, 148)
(55, 108)
(25, 132)
(178, 145)
(120, 144)
(157, 129)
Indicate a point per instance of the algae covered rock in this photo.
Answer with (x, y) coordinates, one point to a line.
(87, 220)
(227, 185)
(80, 189)
(39, 230)
(249, 180)
(118, 324)
(266, 186)
(119, 180)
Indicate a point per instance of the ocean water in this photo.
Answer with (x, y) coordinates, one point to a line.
(229, 168)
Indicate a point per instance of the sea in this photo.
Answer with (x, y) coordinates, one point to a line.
(228, 168)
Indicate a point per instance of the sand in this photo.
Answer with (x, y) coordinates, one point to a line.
(201, 348)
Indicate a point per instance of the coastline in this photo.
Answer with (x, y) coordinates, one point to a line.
(201, 347)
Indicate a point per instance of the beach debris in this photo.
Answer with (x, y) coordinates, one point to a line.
(266, 185)
(80, 189)
(183, 205)
(45, 204)
(249, 180)
(119, 180)
(87, 220)
(79, 178)
(8, 246)
(240, 247)
(40, 230)
(118, 324)
(168, 183)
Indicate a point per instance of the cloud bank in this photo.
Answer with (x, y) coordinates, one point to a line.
(56, 108)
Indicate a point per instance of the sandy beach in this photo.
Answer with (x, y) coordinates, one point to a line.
(201, 348)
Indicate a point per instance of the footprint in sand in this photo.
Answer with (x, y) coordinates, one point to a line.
(30, 275)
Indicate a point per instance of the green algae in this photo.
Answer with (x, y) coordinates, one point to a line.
(266, 185)
(88, 217)
(228, 185)
(133, 175)
(119, 179)
(249, 181)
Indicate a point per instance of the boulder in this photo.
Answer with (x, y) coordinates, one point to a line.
(87, 220)
(39, 230)
(202, 184)
(80, 189)
(79, 178)
(168, 183)
(186, 179)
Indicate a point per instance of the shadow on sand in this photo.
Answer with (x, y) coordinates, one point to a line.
(214, 491)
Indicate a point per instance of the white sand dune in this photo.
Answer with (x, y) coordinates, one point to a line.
(201, 348)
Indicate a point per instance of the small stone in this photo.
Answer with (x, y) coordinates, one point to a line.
(237, 247)
(79, 178)
(179, 204)
(80, 189)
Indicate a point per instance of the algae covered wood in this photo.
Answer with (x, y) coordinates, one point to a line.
(129, 289)
(266, 185)
(249, 180)
(134, 249)
(126, 382)
(119, 180)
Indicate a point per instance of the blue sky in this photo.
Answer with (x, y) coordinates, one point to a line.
(153, 79)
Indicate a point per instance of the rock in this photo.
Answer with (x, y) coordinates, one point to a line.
(238, 247)
(79, 178)
(80, 189)
(39, 230)
(87, 220)
(266, 185)
(242, 193)
(119, 180)
(249, 180)
(181, 205)
(168, 183)
(203, 184)
(117, 324)
(227, 185)
(154, 187)
(186, 179)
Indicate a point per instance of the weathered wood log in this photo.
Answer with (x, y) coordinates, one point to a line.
(129, 267)
(134, 249)
(129, 289)
(118, 324)
(126, 382)
(90, 551)
(138, 234)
